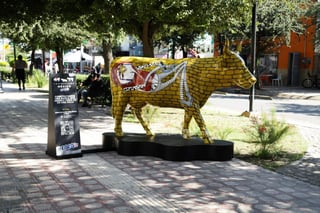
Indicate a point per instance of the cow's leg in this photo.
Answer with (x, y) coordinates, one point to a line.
(187, 118)
(204, 132)
(137, 112)
(118, 109)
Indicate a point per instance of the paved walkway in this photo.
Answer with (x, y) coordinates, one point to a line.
(107, 182)
(308, 168)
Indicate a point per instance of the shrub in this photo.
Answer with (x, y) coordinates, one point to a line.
(149, 112)
(6, 72)
(38, 79)
(223, 133)
(4, 64)
(266, 132)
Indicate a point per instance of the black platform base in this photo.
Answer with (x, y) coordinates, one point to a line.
(53, 155)
(168, 147)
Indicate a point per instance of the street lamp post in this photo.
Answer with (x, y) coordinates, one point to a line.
(253, 52)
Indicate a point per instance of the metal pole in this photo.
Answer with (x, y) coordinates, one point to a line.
(1, 90)
(4, 58)
(253, 52)
(81, 66)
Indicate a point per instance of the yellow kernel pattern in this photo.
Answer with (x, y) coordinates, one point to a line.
(203, 76)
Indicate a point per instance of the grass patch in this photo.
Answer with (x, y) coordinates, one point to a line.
(229, 127)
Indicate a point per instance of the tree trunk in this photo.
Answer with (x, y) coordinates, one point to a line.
(59, 52)
(184, 52)
(32, 62)
(173, 49)
(107, 55)
(44, 61)
(147, 40)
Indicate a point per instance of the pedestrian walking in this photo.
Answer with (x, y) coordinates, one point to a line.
(19, 67)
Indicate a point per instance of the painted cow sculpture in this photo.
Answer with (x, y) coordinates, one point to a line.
(183, 83)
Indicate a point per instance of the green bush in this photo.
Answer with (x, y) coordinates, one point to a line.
(223, 132)
(4, 64)
(266, 132)
(38, 79)
(11, 62)
(6, 72)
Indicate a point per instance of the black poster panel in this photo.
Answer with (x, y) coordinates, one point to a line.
(63, 117)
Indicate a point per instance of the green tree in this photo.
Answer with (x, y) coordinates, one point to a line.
(314, 14)
(101, 19)
(60, 36)
(23, 35)
(56, 25)
(16, 11)
(214, 17)
(179, 38)
(275, 22)
(47, 34)
(150, 19)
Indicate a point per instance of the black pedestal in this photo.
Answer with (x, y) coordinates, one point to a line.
(168, 147)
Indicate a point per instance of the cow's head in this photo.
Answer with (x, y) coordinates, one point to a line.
(232, 62)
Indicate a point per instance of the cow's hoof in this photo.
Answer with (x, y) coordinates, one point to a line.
(148, 133)
(208, 141)
(119, 133)
(186, 137)
(185, 134)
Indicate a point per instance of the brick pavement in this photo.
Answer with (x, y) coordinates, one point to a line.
(107, 182)
(307, 168)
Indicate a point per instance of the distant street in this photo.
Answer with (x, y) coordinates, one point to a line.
(304, 113)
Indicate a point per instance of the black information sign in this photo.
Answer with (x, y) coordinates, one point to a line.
(63, 117)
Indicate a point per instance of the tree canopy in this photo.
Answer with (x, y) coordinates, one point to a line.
(314, 14)
(59, 24)
(276, 20)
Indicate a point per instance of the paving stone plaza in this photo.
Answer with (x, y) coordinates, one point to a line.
(31, 181)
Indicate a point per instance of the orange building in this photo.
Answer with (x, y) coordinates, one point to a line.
(297, 59)
(291, 62)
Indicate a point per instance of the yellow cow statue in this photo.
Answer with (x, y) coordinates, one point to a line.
(178, 83)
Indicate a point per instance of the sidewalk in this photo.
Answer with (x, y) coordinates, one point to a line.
(31, 181)
(269, 92)
(290, 92)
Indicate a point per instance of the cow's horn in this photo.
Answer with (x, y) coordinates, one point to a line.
(226, 49)
(239, 47)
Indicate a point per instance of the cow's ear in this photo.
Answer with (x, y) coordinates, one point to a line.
(226, 49)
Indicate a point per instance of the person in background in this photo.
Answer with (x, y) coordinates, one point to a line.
(82, 92)
(91, 87)
(56, 67)
(19, 68)
(95, 88)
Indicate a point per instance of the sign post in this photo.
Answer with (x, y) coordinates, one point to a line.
(63, 117)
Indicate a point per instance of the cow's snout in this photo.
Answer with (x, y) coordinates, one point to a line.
(252, 80)
(247, 80)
